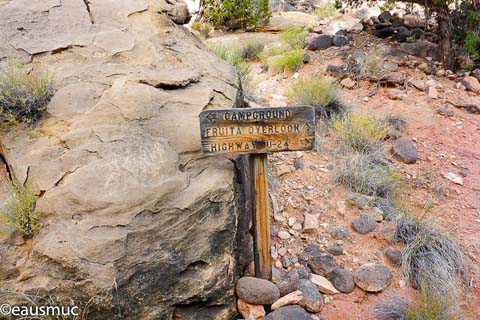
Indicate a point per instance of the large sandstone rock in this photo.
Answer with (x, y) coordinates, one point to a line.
(130, 210)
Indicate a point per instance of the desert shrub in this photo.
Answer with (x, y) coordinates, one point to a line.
(294, 37)
(236, 14)
(290, 59)
(371, 63)
(251, 49)
(18, 212)
(361, 132)
(319, 93)
(365, 174)
(203, 28)
(24, 94)
(325, 10)
(231, 53)
(430, 259)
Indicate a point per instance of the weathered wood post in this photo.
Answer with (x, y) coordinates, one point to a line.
(258, 132)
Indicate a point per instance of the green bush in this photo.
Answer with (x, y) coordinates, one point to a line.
(236, 14)
(24, 94)
(18, 213)
(325, 10)
(232, 54)
(294, 37)
(362, 132)
(290, 59)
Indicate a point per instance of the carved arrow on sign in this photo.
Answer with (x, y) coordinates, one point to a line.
(211, 116)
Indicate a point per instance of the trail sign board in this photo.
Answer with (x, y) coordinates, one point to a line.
(257, 130)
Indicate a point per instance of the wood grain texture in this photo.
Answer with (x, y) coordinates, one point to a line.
(258, 130)
(261, 219)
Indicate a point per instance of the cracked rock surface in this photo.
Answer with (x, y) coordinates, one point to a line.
(130, 210)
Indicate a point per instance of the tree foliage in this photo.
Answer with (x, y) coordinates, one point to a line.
(236, 14)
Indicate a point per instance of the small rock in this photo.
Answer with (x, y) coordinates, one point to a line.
(286, 262)
(310, 223)
(441, 73)
(306, 58)
(288, 283)
(356, 28)
(373, 277)
(454, 178)
(282, 169)
(396, 94)
(390, 66)
(289, 313)
(289, 299)
(412, 21)
(341, 207)
(385, 16)
(257, 291)
(394, 255)
(340, 41)
(282, 251)
(476, 74)
(418, 84)
(432, 93)
(298, 164)
(364, 224)
(250, 311)
(342, 280)
(378, 214)
(312, 298)
(335, 70)
(322, 264)
(297, 227)
(433, 83)
(405, 150)
(446, 111)
(313, 250)
(320, 42)
(423, 66)
(284, 235)
(336, 250)
(323, 284)
(339, 233)
(348, 83)
(471, 84)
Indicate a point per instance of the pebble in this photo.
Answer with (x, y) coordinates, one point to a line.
(284, 235)
(454, 178)
(364, 224)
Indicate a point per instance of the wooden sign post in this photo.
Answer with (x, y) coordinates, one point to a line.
(258, 131)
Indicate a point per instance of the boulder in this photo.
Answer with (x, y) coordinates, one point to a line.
(373, 277)
(385, 16)
(403, 33)
(320, 42)
(384, 32)
(471, 84)
(405, 150)
(364, 224)
(342, 280)
(289, 313)
(312, 298)
(126, 199)
(322, 264)
(257, 291)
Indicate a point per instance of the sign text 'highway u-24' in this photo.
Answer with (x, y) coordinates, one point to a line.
(257, 130)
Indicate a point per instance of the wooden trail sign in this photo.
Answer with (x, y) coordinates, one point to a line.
(258, 131)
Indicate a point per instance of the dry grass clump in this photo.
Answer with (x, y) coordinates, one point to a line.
(367, 175)
(18, 212)
(372, 63)
(391, 308)
(362, 132)
(24, 93)
(232, 54)
(290, 59)
(396, 124)
(319, 93)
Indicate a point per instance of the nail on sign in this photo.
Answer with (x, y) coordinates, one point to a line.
(259, 130)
